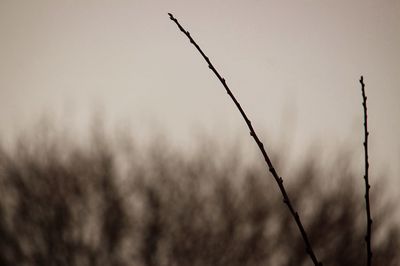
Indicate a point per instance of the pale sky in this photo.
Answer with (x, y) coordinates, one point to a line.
(293, 65)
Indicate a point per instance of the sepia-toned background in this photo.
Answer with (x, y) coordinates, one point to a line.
(294, 65)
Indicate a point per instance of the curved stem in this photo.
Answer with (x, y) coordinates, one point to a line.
(260, 145)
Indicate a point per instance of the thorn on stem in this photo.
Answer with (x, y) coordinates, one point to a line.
(271, 169)
(285, 201)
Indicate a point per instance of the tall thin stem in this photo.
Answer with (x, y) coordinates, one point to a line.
(260, 145)
(366, 178)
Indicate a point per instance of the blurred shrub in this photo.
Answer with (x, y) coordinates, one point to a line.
(67, 204)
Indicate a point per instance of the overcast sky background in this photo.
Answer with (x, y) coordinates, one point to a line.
(294, 66)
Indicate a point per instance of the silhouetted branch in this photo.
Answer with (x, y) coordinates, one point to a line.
(367, 186)
(278, 179)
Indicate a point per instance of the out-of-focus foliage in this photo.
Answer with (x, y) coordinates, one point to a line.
(100, 204)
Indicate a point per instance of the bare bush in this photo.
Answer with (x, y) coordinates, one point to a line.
(68, 205)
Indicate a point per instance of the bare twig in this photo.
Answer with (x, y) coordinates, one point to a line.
(367, 186)
(278, 179)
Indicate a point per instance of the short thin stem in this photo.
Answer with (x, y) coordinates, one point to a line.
(260, 145)
(366, 177)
